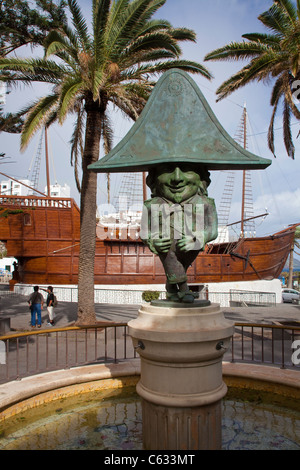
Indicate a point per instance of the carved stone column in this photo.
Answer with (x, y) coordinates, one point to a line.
(181, 386)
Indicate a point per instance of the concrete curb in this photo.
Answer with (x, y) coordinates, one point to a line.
(55, 384)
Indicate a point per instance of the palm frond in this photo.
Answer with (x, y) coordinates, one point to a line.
(71, 35)
(275, 20)
(267, 39)
(182, 34)
(98, 82)
(101, 10)
(107, 133)
(38, 116)
(129, 22)
(257, 70)
(33, 69)
(278, 90)
(116, 11)
(125, 102)
(139, 90)
(287, 133)
(80, 25)
(56, 43)
(155, 25)
(186, 65)
(271, 127)
(71, 88)
(129, 61)
(157, 40)
(238, 51)
(289, 9)
(152, 7)
(298, 7)
(77, 143)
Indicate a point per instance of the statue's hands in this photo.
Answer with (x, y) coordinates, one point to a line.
(188, 244)
(162, 245)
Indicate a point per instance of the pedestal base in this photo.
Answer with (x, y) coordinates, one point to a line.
(168, 428)
(181, 386)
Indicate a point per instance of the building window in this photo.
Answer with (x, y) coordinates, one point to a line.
(27, 219)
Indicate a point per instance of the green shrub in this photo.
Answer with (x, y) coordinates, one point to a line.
(150, 295)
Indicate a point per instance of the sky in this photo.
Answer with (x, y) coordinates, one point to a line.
(275, 190)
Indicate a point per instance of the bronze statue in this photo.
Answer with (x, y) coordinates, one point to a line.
(178, 140)
(178, 221)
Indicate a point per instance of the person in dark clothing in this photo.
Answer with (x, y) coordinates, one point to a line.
(50, 304)
(36, 302)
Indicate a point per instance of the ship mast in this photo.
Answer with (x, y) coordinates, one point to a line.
(247, 216)
(244, 171)
(47, 163)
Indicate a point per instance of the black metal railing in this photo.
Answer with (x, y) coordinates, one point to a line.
(40, 351)
(266, 344)
(31, 353)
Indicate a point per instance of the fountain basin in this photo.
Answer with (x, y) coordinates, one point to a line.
(99, 409)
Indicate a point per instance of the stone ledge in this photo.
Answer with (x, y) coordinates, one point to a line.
(284, 382)
(258, 377)
(20, 390)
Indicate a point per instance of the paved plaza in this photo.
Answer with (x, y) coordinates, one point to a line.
(16, 308)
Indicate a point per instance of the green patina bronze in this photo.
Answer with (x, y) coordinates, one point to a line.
(177, 125)
(178, 221)
(178, 139)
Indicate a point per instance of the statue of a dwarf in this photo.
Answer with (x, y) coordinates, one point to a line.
(178, 221)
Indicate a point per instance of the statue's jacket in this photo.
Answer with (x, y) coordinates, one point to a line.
(196, 218)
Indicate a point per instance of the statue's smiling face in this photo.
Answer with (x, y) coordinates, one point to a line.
(177, 183)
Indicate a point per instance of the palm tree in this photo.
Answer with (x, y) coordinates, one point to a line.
(274, 55)
(23, 24)
(114, 64)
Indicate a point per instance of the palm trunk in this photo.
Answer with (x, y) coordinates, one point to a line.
(291, 268)
(88, 206)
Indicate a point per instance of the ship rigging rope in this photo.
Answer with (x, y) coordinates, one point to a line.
(52, 159)
(34, 154)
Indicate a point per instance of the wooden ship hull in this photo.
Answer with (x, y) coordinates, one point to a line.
(43, 234)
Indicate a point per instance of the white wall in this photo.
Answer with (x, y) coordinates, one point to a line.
(132, 294)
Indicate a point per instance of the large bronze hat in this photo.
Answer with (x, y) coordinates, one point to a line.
(177, 125)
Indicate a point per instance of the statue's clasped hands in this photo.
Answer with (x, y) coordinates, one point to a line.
(185, 244)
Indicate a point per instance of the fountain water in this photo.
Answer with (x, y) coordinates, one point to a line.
(111, 419)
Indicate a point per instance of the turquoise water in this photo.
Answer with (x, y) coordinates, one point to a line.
(114, 423)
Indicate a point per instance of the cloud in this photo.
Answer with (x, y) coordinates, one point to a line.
(283, 208)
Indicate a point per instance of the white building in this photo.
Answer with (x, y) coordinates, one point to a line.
(56, 190)
(3, 90)
(14, 188)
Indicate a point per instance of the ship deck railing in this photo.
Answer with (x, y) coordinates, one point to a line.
(35, 352)
(35, 201)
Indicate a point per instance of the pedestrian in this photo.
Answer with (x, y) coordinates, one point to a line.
(36, 302)
(50, 304)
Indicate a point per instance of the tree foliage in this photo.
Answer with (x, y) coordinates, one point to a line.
(112, 61)
(272, 57)
(24, 24)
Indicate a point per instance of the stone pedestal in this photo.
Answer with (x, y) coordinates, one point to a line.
(181, 386)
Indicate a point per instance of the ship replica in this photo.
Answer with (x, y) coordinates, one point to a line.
(43, 234)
